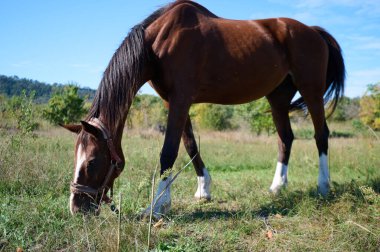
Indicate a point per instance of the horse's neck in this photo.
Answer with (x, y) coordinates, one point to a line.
(116, 127)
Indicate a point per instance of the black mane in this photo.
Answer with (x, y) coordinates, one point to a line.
(123, 73)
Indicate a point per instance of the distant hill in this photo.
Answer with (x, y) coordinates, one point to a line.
(13, 86)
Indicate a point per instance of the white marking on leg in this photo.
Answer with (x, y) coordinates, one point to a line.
(280, 178)
(162, 199)
(80, 159)
(204, 183)
(324, 175)
(71, 203)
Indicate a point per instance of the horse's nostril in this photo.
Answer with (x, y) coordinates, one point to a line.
(80, 204)
(74, 209)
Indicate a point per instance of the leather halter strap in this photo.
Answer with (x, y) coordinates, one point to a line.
(114, 166)
(107, 136)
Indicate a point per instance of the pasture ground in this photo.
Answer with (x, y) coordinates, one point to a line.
(34, 188)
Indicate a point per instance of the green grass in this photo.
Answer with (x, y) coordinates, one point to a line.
(34, 190)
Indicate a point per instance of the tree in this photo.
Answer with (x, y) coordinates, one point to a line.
(3, 107)
(347, 109)
(370, 107)
(13, 86)
(147, 111)
(258, 115)
(22, 109)
(66, 106)
(212, 116)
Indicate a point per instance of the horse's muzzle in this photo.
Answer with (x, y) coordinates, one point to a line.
(82, 203)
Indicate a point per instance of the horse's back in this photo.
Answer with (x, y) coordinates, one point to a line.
(226, 61)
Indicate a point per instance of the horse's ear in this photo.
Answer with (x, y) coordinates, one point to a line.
(91, 129)
(75, 128)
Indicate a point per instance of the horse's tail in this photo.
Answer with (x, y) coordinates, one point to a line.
(335, 74)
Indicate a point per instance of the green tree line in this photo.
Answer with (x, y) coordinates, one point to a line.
(67, 105)
(14, 86)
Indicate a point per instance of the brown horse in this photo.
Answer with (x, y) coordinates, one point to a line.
(189, 55)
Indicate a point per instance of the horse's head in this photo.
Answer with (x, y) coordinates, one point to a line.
(96, 166)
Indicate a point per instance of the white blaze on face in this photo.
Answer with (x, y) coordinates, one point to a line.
(204, 182)
(280, 178)
(324, 175)
(80, 159)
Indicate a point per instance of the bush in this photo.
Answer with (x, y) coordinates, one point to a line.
(22, 109)
(370, 107)
(147, 111)
(3, 106)
(347, 109)
(212, 116)
(258, 115)
(65, 106)
(357, 125)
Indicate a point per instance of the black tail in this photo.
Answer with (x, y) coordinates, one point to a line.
(336, 74)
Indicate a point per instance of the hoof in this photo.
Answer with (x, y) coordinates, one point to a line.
(324, 189)
(158, 212)
(324, 176)
(280, 179)
(162, 201)
(144, 215)
(203, 193)
(202, 197)
(276, 189)
(204, 183)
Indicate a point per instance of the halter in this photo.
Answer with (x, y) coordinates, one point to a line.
(115, 166)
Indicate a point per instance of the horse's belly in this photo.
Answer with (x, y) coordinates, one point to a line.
(239, 87)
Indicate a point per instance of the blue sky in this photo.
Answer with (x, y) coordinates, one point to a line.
(73, 40)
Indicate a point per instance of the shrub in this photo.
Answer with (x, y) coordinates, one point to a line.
(147, 111)
(347, 109)
(357, 124)
(65, 106)
(212, 116)
(22, 109)
(3, 106)
(258, 115)
(370, 107)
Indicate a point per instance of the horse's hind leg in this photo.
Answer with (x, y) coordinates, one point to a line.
(312, 92)
(204, 178)
(316, 109)
(280, 100)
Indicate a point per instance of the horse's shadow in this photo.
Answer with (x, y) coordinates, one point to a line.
(287, 203)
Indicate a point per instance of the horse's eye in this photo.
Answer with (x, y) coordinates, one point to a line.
(90, 163)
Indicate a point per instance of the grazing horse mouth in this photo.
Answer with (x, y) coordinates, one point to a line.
(90, 198)
(80, 203)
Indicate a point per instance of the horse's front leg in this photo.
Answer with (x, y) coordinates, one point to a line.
(178, 113)
(204, 178)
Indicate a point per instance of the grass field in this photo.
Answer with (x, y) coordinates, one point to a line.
(34, 190)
